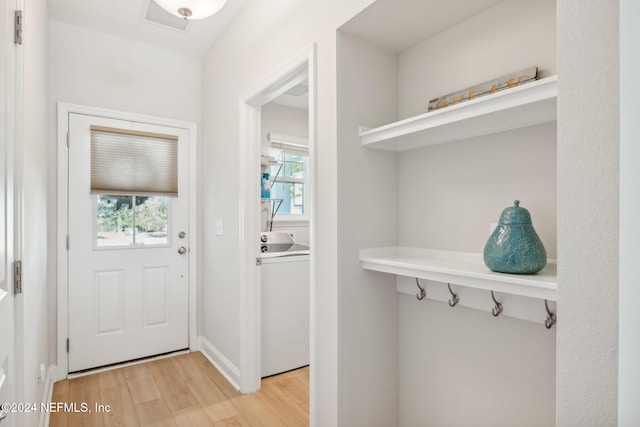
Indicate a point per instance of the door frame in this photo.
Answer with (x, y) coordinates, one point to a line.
(301, 66)
(64, 110)
(11, 111)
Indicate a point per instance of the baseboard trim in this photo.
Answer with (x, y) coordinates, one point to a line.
(47, 394)
(224, 365)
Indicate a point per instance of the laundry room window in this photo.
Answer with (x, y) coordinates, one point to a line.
(289, 176)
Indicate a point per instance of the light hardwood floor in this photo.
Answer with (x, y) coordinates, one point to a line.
(184, 390)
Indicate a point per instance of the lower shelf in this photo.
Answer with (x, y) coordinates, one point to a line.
(475, 286)
(459, 268)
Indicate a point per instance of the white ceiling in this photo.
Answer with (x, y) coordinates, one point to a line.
(296, 97)
(378, 23)
(124, 18)
(421, 20)
(300, 101)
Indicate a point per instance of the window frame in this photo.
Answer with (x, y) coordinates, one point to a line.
(298, 145)
(94, 203)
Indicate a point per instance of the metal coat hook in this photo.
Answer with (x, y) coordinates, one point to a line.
(498, 308)
(551, 317)
(423, 292)
(455, 299)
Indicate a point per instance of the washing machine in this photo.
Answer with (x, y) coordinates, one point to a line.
(285, 309)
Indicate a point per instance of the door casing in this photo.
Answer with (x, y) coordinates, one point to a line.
(302, 66)
(64, 110)
(11, 141)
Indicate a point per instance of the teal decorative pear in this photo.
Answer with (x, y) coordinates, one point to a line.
(514, 246)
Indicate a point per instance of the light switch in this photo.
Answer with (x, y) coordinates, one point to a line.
(219, 228)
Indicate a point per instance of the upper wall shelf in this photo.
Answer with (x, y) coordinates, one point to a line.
(459, 268)
(526, 105)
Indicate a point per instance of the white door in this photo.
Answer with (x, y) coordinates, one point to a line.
(7, 226)
(128, 258)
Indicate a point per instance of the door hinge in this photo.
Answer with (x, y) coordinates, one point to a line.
(17, 35)
(67, 345)
(17, 277)
(67, 242)
(67, 139)
(258, 261)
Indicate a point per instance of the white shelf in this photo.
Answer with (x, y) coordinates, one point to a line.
(459, 268)
(522, 106)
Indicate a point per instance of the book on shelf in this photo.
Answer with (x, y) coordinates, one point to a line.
(505, 82)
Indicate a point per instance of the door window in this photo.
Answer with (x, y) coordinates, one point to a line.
(131, 221)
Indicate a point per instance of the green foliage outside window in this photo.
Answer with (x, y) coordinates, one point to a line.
(115, 213)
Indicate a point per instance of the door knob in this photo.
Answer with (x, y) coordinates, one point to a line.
(182, 250)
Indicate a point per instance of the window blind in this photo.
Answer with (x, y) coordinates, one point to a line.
(291, 143)
(127, 162)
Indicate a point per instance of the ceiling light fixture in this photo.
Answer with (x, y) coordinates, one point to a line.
(192, 9)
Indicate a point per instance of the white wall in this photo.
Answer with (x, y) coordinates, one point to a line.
(629, 350)
(451, 193)
(284, 120)
(98, 70)
(245, 55)
(509, 37)
(588, 167)
(36, 285)
(448, 196)
(463, 367)
(367, 217)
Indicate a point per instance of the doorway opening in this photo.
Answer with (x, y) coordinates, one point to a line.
(295, 181)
